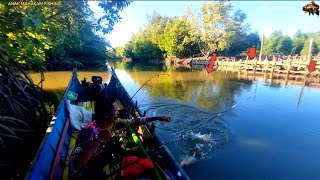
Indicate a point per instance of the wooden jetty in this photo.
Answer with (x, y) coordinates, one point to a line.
(289, 65)
(276, 65)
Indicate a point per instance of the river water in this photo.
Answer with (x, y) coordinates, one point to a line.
(268, 128)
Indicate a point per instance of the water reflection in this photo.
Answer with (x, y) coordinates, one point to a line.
(270, 130)
(212, 91)
(300, 94)
(138, 66)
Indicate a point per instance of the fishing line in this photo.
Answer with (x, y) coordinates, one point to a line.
(183, 132)
(158, 75)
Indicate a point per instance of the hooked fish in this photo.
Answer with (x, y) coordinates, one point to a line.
(200, 148)
(190, 159)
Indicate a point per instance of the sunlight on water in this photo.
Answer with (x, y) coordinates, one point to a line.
(59, 80)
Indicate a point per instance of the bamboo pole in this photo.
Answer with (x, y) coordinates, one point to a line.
(289, 66)
(310, 51)
(266, 65)
(273, 64)
(261, 47)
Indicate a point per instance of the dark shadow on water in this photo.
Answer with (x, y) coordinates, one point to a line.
(52, 99)
(133, 66)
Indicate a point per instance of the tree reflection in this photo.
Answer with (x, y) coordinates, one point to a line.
(209, 91)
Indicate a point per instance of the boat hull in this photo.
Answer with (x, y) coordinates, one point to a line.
(51, 158)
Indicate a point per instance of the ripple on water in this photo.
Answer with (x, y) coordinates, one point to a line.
(195, 133)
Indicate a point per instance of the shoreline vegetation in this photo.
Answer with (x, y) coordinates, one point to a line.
(68, 36)
(218, 28)
(40, 38)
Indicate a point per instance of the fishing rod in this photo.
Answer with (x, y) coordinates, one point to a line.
(197, 126)
(158, 75)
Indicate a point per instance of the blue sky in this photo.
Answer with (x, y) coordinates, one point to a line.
(263, 16)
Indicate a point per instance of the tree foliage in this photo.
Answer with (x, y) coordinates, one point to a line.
(83, 49)
(31, 35)
(28, 32)
(278, 43)
(315, 44)
(219, 27)
(142, 48)
(298, 41)
(299, 44)
(215, 29)
(178, 39)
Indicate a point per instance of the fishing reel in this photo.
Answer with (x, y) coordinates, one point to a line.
(112, 149)
(96, 86)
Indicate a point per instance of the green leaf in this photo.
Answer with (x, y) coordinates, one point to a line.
(26, 22)
(36, 22)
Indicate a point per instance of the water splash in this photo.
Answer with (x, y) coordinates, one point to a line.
(191, 145)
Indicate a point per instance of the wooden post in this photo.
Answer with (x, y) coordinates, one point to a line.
(261, 47)
(287, 78)
(266, 65)
(310, 51)
(246, 75)
(289, 65)
(273, 64)
(299, 64)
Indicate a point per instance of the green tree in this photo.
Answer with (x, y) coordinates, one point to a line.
(27, 32)
(83, 49)
(315, 45)
(145, 44)
(242, 42)
(243, 38)
(141, 48)
(278, 43)
(178, 39)
(284, 45)
(298, 41)
(155, 27)
(218, 25)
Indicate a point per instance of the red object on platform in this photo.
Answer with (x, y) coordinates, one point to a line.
(312, 65)
(252, 52)
(135, 169)
(210, 67)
